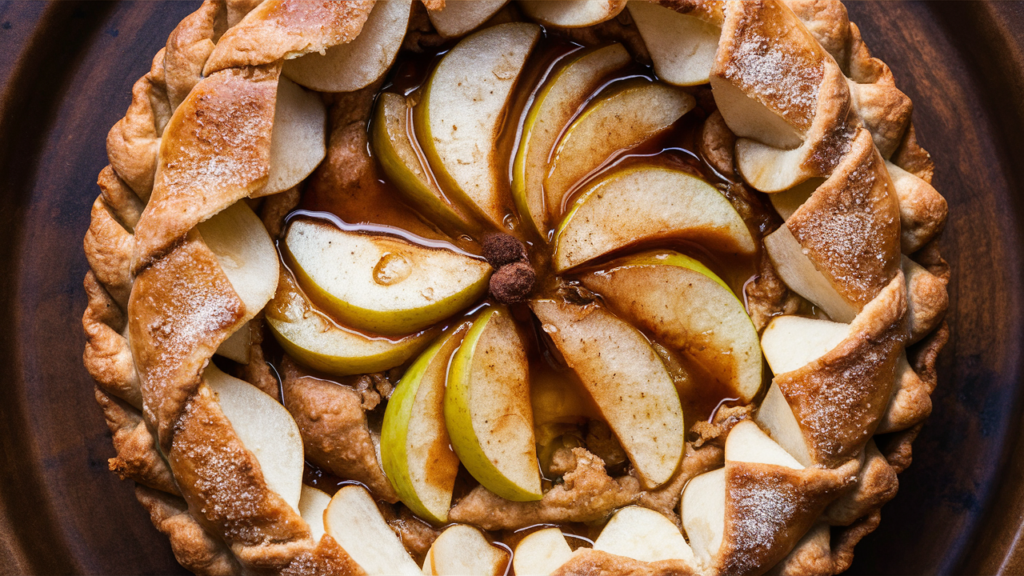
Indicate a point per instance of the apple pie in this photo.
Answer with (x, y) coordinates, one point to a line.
(534, 287)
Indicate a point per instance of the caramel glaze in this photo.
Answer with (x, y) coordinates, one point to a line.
(678, 147)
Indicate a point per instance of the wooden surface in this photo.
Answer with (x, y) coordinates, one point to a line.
(66, 71)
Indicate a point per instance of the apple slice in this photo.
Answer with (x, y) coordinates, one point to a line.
(298, 142)
(487, 408)
(461, 550)
(265, 428)
(382, 283)
(463, 110)
(645, 204)
(397, 154)
(627, 380)
(682, 47)
(309, 336)
(702, 509)
(541, 553)
(618, 120)
(356, 64)
(572, 13)
(353, 519)
(460, 17)
(788, 202)
(312, 505)
(643, 534)
(237, 346)
(552, 109)
(790, 343)
(800, 274)
(246, 253)
(689, 309)
(748, 443)
(415, 447)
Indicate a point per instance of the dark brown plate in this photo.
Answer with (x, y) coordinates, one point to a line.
(66, 71)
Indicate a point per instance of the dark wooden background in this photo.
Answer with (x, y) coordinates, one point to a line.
(66, 71)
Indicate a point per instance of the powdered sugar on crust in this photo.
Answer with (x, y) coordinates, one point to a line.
(772, 58)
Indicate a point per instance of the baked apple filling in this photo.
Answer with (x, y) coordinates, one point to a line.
(541, 287)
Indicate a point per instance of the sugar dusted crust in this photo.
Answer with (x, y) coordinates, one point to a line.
(196, 139)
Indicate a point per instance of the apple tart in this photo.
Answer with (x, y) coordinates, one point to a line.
(532, 287)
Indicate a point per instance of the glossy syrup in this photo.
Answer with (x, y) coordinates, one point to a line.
(378, 208)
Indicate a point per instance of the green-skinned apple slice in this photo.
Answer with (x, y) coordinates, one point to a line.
(459, 119)
(644, 204)
(627, 380)
(356, 64)
(643, 534)
(393, 144)
(682, 47)
(487, 408)
(461, 17)
(572, 13)
(265, 428)
(541, 552)
(462, 549)
(380, 283)
(618, 120)
(552, 109)
(312, 505)
(353, 519)
(688, 309)
(312, 338)
(414, 445)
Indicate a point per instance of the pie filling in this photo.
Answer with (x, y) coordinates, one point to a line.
(576, 289)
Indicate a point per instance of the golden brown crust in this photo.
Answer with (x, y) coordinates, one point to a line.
(844, 541)
(108, 248)
(812, 556)
(840, 398)
(133, 142)
(876, 484)
(208, 159)
(769, 508)
(193, 547)
(717, 143)
(590, 562)
(586, 494)
(768, 296)
(281, 29)
(850, 227)
(327, 559)
(137, 457)
(913, 158)
(108, 356)
(181, 309)
(188, 48)
(224, 486)
(122, 201)
(334, 429)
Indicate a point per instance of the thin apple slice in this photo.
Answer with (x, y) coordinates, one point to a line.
(353, 519)
(748, 443)
(682, 47)
(246, 253)
(463, 110)
(627, 380)
(461, 550)
(643, 534)
(552, 109)
(298, 142)
(541, 553)
(309, 336)
(382, 283)
(356, 64)
(702, 509)
(265, 428)
(312, 505)
(415, 448)
(689, 309)
(572, 13)
(461, 17)
(619, 120)
(646, 204)
(803, 276)
(791, 342)
(396, 151)
(487, 408)
(788, 202)
(238, 345)
(776, 415)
